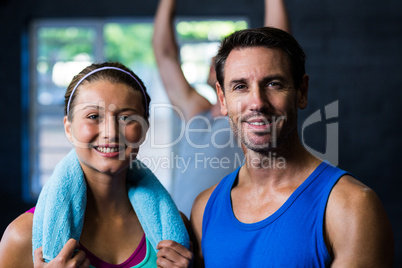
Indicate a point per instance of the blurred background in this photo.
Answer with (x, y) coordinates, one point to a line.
(353, 58)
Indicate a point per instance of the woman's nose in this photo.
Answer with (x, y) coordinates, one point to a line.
(110, 128)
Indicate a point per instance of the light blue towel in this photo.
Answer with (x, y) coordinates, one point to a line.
(60, 210)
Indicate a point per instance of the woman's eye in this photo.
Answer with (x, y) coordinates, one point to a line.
(124, 118)
(93, 116)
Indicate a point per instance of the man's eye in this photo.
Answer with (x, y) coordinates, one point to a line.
(239, 87)
(275, 85)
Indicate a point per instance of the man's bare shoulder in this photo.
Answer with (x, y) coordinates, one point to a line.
(197, 212)
(356, 225)
(197, 215)
(201, 201)
(347, 187)
(16, 245)
(350, 195)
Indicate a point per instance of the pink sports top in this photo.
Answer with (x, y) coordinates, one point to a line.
(144, 256)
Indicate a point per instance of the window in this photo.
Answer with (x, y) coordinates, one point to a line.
(61, 48)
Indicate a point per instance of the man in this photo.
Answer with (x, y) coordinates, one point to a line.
(208, 150)
(284, 207)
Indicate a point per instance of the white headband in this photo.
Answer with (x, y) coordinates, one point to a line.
(108, 68)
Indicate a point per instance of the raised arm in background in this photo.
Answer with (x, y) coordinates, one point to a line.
(276, 15)
(179, 91)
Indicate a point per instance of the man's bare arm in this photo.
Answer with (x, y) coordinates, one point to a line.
(197, 214)
(179, 91)
(358, 232)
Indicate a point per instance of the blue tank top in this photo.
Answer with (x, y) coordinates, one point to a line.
(291, 237)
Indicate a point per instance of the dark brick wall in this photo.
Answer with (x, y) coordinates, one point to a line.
(354, 55)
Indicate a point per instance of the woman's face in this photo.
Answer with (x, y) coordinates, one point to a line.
(107, 126)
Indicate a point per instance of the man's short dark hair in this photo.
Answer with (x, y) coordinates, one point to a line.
(268, 37)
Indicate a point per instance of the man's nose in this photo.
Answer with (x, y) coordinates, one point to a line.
(257, 98)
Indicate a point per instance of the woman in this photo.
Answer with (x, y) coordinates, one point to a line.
(106, 115)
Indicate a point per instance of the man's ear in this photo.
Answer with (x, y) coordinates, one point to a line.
(302, 92)
(68, 129)
(221, 98)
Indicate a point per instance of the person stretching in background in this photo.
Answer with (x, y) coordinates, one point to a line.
(209, 137)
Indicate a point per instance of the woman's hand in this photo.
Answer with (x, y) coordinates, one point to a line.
(67, 257)
(173, 254)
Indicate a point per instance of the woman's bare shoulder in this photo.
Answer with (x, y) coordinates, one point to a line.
(16, 245)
